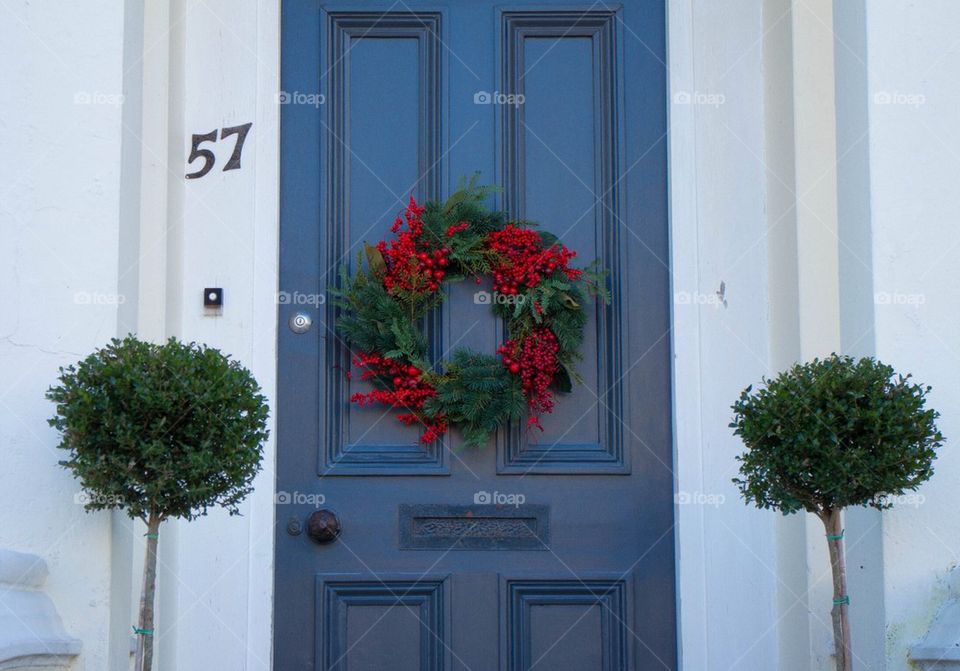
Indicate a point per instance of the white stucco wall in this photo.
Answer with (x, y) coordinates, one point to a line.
(913, 59)
(67, 259)
(60, 133)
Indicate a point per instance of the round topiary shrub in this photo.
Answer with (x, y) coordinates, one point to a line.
(829, 434)
(160, 431)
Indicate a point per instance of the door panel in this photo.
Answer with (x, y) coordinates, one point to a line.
(561, 164)
(382, 137)
(383, 622)
(546, 550)
(557, 623)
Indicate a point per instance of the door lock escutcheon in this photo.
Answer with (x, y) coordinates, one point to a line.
(300, 322)
(294, 528)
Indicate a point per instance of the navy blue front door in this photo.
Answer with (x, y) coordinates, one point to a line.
(549, 550)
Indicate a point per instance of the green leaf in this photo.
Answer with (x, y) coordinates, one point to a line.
(549, 239)
(455, 199)
(569, 302)
(375, 260)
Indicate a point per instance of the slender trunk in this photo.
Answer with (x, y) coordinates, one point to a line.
(144, 658)
(841, 619)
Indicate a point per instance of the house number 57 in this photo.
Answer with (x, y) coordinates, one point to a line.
(207, 155)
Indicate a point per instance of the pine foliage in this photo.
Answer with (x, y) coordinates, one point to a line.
(479, 395)
(372, 321)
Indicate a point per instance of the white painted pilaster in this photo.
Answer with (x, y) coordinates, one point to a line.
(726, 552)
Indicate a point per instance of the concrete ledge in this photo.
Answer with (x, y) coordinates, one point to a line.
(940, 648)
(32, 637)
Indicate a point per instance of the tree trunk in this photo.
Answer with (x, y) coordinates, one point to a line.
(841, 620)
(144, 658)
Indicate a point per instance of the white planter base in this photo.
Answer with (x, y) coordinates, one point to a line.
(32, 637)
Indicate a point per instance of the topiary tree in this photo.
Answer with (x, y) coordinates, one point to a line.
(160, 431)
(829, 434)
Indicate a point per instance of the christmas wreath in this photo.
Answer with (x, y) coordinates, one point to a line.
(536, 292)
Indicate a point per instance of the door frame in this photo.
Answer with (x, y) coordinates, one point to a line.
(688, 259)
(308, 182)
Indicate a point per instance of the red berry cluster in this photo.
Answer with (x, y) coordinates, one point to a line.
(433, 428)
(523, 261)
(413, 265)
(409, 391)
(534, 359)
(456, 228)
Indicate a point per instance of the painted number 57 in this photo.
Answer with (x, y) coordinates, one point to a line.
(196, 152)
